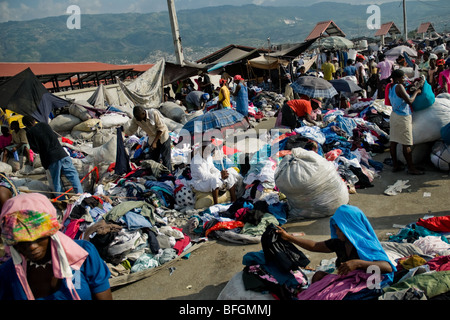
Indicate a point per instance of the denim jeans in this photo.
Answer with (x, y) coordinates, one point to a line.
(65, 166)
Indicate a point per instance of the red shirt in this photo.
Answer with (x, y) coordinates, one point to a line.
(301, 107)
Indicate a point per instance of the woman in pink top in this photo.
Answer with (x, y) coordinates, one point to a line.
(444, 78)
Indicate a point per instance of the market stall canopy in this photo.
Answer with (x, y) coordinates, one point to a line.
(267, 63)
(294, 51)
(26, 95)
(333, 42)
(174, 72)
(399, 50)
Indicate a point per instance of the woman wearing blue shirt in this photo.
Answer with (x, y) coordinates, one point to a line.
(401, 122)
(46, 264)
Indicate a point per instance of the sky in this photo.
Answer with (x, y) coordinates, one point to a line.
(19, 10)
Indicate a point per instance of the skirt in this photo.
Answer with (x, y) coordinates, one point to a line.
(401, 129)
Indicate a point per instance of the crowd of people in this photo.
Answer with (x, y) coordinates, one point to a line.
(44, 261)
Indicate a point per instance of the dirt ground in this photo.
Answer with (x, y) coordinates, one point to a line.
(208, 269)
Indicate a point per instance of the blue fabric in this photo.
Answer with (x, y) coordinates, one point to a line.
(215, 119)
(136, 221)
(445, 133)
(279, 210)
(358, 230)
(65, 166)
(350, 70)
(93, 277)
(242, 100)
(399, 106)
(425, 99)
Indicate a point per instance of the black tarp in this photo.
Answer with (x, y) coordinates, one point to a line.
(26, 95)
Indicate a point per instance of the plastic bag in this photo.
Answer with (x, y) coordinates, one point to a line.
(311, 184)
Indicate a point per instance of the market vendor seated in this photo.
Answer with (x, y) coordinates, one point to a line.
(19, 142)
(294, 111)
(207, 178)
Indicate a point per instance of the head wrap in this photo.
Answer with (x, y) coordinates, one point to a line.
(28, 217)
(440, 62)
(358, 230)
(237, 78)
(205, 96)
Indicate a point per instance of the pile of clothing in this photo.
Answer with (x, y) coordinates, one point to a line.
(420, 253)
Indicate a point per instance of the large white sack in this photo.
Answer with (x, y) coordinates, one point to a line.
(102, 136)
(105, 154)
(420, 152)
(427, 123)
(89, 125)
(312, 185)
(173, 111)
(82, 135)
(111, 120)
(79, 112)
(64, 122)
(5, 168)
(440, 156)
(172, 125)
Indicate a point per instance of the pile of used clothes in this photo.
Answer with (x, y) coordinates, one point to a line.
(419, 251)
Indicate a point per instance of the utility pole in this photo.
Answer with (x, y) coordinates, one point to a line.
(405, 27)
(175, 32)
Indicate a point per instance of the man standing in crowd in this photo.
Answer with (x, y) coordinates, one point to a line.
(54, 158)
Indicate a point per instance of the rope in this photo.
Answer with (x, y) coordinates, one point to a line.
(67, 192)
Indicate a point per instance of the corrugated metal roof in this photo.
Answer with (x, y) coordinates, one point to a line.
(53, 74)
(9, 69)
(328, 27)
(388, 27)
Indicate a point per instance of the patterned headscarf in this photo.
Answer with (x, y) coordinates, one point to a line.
(20, 223)
(31, 216)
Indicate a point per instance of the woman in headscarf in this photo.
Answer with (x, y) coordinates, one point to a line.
(45, 264)
(353, 240)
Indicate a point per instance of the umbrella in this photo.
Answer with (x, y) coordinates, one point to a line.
(399, 50)
(344, 85)
(334, 42)
(208, 123)
(314, 87)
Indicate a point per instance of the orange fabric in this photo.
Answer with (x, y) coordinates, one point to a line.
(301, 107)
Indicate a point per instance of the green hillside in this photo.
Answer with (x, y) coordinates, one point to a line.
(135, 38)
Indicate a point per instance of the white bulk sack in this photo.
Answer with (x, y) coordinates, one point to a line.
(311, 184)
(111, 120)
(173, 111)
(64, 123)
(79, 112)
(427, 123)
(440, 156)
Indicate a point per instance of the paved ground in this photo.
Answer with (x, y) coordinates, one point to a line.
(210, 267)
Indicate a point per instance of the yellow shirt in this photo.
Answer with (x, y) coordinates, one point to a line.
(328, 70)
(224, 96)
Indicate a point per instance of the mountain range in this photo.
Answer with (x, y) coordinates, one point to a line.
(126, 38)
